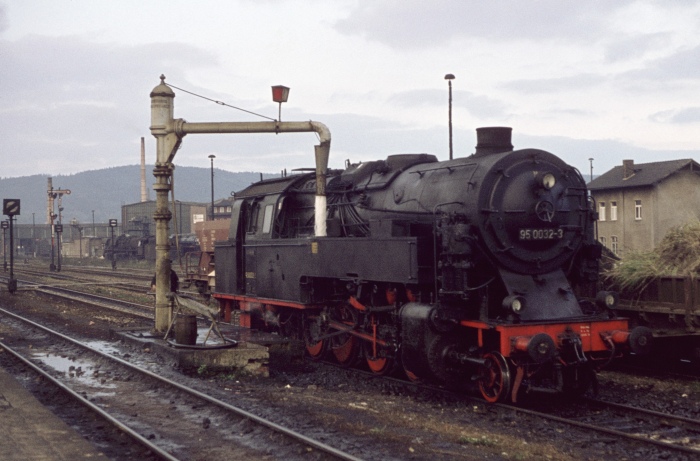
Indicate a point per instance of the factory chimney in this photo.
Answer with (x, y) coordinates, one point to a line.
(144, 191)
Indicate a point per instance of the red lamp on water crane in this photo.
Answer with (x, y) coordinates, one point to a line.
(279, 95)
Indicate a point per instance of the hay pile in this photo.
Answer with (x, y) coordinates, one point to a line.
(677, 254)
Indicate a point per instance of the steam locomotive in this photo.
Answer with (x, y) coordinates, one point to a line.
(138, 247)
(480, 268)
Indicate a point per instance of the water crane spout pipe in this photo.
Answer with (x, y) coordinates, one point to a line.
(322, 150)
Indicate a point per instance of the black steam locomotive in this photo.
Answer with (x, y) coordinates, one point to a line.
(475, 267)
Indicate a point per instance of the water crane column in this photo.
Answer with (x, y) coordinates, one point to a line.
(169, 133)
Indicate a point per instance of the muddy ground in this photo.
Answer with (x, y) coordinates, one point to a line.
(404, 420)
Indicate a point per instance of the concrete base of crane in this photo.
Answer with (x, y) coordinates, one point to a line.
(215, 355)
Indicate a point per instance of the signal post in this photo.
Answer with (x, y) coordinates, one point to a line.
(10, 208)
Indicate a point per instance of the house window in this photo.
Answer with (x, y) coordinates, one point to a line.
(601, 211)
(613, 241)
(638, 210)
(613, 211)
(604, 242)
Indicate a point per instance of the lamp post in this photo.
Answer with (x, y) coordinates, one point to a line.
(591, 162)
(94, 234)
(212, 157)
(449, 78)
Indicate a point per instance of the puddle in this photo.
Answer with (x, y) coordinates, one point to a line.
(104, 347)
(83, 372)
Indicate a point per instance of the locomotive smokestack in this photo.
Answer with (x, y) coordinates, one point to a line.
(493, 140)
(144, 193)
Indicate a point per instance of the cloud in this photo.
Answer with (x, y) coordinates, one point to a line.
(606, 153)
(682, 65)
(418, 24)
(4, 22)
(372, 71)
(480, 106)
(680, 116)
(628, 48)
(73, 102)
(553, 85)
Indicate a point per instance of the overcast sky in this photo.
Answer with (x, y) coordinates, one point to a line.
(608, 80)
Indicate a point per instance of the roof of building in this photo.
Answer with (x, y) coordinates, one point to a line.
(228, 201)
(641, 175)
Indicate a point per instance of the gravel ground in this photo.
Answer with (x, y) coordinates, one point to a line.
(403, 420)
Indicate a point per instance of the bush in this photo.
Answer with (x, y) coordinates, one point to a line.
(677, 254)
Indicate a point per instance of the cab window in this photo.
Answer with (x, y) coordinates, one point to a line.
(267, 219)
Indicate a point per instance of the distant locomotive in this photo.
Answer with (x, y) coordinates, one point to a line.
(452, 270)
(139, 248)
(127, 246)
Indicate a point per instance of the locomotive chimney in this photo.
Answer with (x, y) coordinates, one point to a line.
(144, 193)
(492, 140)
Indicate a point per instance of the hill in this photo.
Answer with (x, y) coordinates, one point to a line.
(106, 190)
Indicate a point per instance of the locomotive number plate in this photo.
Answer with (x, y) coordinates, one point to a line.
(541, 234)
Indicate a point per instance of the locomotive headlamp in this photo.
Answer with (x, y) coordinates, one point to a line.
(548, 181)
(515, 304)
(607, 299)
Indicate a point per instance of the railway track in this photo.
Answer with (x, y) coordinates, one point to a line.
(670, 433)
(121, 272)
(667, 432)
(136, 309)
(154, 410)
(133, 283)
(95, 278)
(131, 273)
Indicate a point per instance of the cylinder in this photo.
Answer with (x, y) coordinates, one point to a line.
(186, 330)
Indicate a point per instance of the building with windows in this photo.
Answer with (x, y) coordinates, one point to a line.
(222, 208)
(137, 218)
(638, 204)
